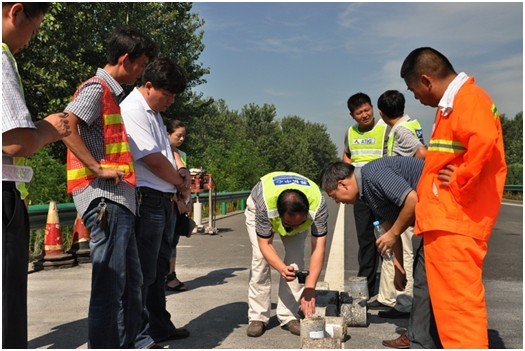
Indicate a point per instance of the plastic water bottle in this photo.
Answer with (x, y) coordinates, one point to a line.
(378, 231)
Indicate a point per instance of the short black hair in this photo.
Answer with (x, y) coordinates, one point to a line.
(165, 74)
(292, 201)
(392, 104)
(132, 42)
(335, 172)
(32, 9)
(425, 60)
(357, 100)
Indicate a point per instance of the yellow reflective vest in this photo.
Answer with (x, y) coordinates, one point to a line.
(366, 146)
(413, 125)
(275, 183)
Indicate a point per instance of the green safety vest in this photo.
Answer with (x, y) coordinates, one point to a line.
(366, 146)
(275, 183)
(19, 161)
(414, 127)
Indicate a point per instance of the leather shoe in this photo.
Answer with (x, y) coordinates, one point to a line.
(376, 305)
(255, 329)
(400, 343)
(393, 313)
(293, 326)
(180, 333)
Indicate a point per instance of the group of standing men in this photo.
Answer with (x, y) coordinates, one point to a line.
(123, 188)
(437, 205)
(451, 199)
(121, 173)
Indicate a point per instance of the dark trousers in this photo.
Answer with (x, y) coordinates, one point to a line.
(422, 330)
(115, 304)
(154, 227)
(15, 258)
(367, 256)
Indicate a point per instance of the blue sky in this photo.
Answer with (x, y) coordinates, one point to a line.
(307, 58)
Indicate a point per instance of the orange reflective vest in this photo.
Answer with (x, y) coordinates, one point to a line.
(469, 138)
(116, 153)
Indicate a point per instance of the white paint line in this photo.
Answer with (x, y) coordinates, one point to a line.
(335, 266)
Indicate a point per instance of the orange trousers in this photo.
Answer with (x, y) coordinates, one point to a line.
(454, 273)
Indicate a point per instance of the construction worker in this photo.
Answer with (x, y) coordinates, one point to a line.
(459, 194)
(101, 178)
(288, 204)
(365, 141)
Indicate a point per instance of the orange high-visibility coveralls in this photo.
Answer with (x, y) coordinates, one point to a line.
(456, 221)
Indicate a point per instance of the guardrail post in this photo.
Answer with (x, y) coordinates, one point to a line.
(224, 208)
(243, 204)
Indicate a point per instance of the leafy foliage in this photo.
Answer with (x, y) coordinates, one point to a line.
(72, 41)
(239, 148)
(49, 179)
(513, 138)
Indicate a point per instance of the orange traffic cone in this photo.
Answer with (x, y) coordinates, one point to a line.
(53, 255)
(80, 241)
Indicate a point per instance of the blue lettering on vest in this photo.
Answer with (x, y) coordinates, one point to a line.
(287, 179)
(365, 141)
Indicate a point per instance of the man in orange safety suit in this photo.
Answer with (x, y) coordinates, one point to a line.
(459, 194)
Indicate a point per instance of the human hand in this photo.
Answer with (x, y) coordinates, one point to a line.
(288, 273)
(111, 173)
(400, 278)
(60, 125)
(308, 302)
(445, 174)
(385, 242)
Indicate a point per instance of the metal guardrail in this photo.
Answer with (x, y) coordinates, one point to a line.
(516, 188)
(67, 211)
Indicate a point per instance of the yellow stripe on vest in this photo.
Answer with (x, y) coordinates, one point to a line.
(83, 172)
(117, 148)
(113, 119)
(449, 146)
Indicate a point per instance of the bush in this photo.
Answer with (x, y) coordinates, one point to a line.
(515, 174)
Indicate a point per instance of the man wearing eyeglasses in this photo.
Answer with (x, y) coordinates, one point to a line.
(290, 205)
(21, 137)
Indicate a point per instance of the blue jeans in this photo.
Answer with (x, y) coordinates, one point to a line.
(115, 305)
(154, 227)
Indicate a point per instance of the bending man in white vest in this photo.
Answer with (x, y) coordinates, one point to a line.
(288, 204)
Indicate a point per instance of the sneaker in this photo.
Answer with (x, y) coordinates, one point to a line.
(255, 329)
(293, 326)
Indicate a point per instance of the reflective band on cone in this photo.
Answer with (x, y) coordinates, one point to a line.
(53, 255)
(80, 241)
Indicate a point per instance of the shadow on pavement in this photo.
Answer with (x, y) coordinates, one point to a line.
(211, 328)
(66, 336)
(495, 341)
(216, 277)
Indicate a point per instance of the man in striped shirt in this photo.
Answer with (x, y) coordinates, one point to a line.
(388, 185)
(107, 204)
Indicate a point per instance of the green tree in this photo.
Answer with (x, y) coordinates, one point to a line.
(72, 44)
(48, 183)
(512, 129)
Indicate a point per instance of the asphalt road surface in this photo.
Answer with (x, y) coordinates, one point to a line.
(215, 268)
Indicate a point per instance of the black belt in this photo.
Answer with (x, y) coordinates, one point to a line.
(146, 190)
